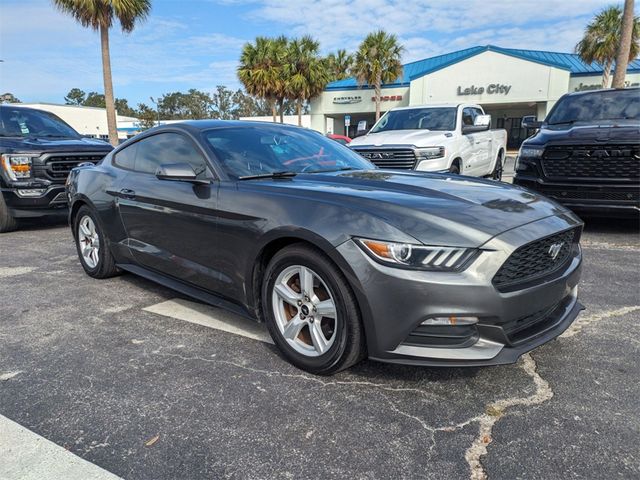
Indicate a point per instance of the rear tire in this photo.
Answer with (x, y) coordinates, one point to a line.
(299, 285)
(91, 245)
(7, 222)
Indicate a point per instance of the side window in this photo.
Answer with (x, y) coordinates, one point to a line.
(476, 112)
(163, 148)
(126, 157)
(467, 116)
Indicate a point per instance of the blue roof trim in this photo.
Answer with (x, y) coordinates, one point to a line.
(419, 68)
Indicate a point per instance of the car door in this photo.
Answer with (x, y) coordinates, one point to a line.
(469, 151)
(483, 143)
(170, 224)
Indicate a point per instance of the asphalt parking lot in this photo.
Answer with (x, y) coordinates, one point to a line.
(146, 389)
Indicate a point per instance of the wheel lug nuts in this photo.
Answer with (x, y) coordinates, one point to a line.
(299, 302)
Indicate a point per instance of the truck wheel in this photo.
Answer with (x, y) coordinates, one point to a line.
(455, 168)
(7, 222)
(497, 170)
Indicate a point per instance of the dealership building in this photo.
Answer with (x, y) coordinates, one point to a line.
(508, 83)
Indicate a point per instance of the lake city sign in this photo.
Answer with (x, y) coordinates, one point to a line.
(492, 89)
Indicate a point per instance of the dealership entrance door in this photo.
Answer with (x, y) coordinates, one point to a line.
(509, 117)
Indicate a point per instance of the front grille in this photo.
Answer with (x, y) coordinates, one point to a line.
(58, 167)
(536, 259)
(524, 327)
(594, 161)
(613, 196)
(394, 158)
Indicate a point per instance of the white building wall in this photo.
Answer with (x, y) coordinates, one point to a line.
(85, 120)
(581, 83)
(288, 120)
(516, 81)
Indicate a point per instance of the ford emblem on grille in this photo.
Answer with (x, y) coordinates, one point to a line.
(554, 250)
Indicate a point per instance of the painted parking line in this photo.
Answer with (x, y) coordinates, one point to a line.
(211, 317)
(25, 455)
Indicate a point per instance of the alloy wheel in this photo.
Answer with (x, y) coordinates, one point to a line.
(305, 311)
(89, 241)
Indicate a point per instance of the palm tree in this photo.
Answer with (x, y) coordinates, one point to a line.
(305, 72)
(602, 38)
(377, 61)
(628, 49)
(339, 64)
(260, 70)
(100, 15)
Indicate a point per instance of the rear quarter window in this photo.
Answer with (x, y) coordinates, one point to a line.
(126, 158)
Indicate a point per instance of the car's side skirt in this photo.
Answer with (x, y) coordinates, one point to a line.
(186, 289)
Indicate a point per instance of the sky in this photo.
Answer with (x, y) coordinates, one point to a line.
(187, 44)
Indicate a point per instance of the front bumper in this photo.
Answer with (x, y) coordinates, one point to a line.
(395, 302)
(595, 199)
(52, 201)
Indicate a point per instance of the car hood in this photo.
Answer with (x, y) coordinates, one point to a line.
(41, 145)
(437, 209)
(418, 138)
(620, 131)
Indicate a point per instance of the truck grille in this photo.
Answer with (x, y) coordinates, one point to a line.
(394, 158)
(594, 161)
(536, 259)
(58, 167)
(588, 195)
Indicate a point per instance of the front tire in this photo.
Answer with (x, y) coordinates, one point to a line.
(91, 245)
(311, 312)
(7, 222)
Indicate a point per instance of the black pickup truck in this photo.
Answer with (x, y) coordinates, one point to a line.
(586, 153)
(37, 152)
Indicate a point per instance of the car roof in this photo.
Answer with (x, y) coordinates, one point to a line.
(200, 125)
(601, 90)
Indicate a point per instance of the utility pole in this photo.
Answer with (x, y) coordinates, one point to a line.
(622, 59)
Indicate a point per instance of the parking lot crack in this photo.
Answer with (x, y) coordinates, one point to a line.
(587, 320)
(496, 410)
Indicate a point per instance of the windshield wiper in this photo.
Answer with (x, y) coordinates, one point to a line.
(283, 174)
(341, 169)
(568, 122)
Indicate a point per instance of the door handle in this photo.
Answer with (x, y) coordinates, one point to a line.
(126, 193)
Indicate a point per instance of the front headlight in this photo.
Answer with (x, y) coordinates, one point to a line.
(527, 152)
(429, 153)
(419, 257)
(17, 167)
(530, 152)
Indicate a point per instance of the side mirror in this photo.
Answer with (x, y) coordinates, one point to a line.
(178, 171)
(531, 121)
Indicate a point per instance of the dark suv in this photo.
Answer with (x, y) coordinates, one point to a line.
(37, 152)
(586, 153)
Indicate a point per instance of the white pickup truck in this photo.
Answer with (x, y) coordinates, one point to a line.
(452, 138)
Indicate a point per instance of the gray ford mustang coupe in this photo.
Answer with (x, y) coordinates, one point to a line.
(341, 260)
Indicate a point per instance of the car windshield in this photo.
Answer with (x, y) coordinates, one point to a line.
(595, 106)
(24, 122)
(265, 150)
(441, 118)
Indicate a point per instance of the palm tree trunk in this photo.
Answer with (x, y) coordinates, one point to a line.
(108, 87)
(299, 107)
(606, 73)
(274, 110)
(281, 105)
(378, 94)
(622, 60)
